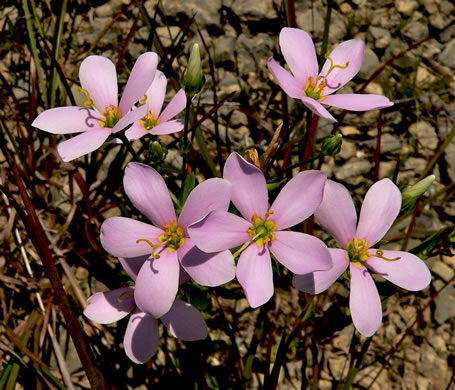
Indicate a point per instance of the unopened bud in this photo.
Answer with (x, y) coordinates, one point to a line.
(331, 145)
(194, 79)
(412, 193)
(158, 151)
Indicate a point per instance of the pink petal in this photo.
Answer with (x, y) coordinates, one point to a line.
(148, 192)
(83, 143)
(364, 301)
(207, 269)
(219, 231)
(337, 213)
(300, 253)
(357, 102)
(141, 77)
(298, 199)
(351, 51)
(317, 108)
(212, 194)
(298, 51)
(136, 131)
(119, 236)
(185, 322)
(408, 272)
(380, 208)
(141, 337)
(132, 265)
(157, 284)
(131, 117)
(319, 281)
(99, 77)
(156, 93)
(108, 307)
(175, 106)
(63, 120)
(169, 127)
(249, 189)
(287, 82)
(254, 273)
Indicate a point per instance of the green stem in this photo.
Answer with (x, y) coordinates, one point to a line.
(205, 153)
(185, 138)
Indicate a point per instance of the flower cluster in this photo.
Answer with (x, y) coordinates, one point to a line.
(203, 241)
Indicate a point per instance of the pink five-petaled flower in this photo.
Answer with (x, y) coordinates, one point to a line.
(102, 115)
(157, 122)
(166, 242)
(142, 334)
(338, 216)
(263, 229)
(341, 66)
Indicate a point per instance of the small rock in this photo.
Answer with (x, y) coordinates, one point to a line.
(370, 63)
(438, 344)
(406, 7)
(442, 270)
(224, 49)
(424, 77)
(445, 305)
(390, 143)
(353, 168)
(374, 88)
(311, 21)
(425, 134)
(447, 57)
(381, 35)
(416, 30)
(423, 383)
(438, 21)
(345, 8)
(349, 130)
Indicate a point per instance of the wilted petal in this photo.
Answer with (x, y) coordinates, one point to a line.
(175, 106)
(141, 77)
(337, 213)
(130, 117)
(119, 236)
(168, 127)
(319, 281)
(219, 231)
(249, 189)
(298, 199)
(317, 108)
(380, 208)
(364, 301)
(300, 253)
(185, 322)
(351, 51)
(132, 265)
(142, 337)
(149, 194)
(99, 77)
(408, 272)
(207, 269)
(108, 307)
(357, 102)
(83, 143)
(298, 51)
(157, 284)
(212, 194)
(287, 82)
(254, 273)
(63, 120)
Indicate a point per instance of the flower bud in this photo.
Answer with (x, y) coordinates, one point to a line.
(331, 145)
(194, 79)
(412, 193)
(158, 151)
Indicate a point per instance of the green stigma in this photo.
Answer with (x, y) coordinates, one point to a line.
(262, 230)
(357, 252)
(111, 117)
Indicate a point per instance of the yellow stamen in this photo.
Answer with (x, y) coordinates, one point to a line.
(149, 121)
(111, 117)
(262, 230)
(154, 247)
(357, 252)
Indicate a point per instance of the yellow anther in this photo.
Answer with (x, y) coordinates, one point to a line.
(149, 121)
(262, 230)
(144, 99)
(111, 117)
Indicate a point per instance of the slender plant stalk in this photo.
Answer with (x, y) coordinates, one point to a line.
(185, 138)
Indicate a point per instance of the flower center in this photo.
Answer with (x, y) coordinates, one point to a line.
(111, 117)
(149, 121)
(262, 230)
(314, 88)
(173, 238)
(357, 252)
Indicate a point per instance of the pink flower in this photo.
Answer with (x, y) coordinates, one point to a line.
(341, 66)
(102, 115)
(157, 252)
(157, 122)
(338, 216)
(262, 230)
(142, 334)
